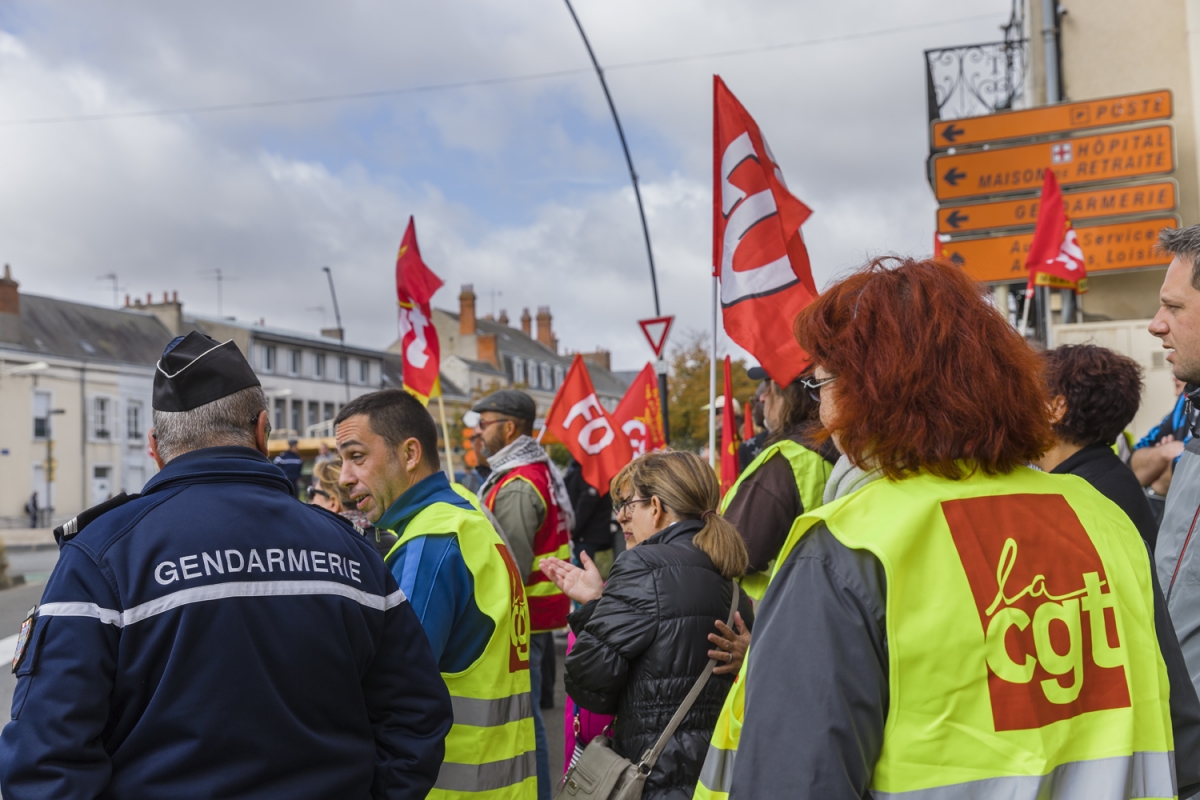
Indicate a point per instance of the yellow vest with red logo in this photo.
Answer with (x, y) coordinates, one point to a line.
(1023, 661)
(490, 751)
(548, 607)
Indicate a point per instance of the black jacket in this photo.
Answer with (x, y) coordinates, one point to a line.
(641, 647)
(1099, 465)
(593, 511)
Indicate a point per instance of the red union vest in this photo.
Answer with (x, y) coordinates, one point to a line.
(548, 607)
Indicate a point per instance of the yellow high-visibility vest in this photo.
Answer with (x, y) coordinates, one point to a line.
(1021, 643)
(811, 472)
(490, 751)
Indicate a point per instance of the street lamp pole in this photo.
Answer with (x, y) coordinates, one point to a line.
(48, 511)
(337, 315)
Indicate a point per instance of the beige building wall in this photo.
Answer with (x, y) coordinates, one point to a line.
(77, 451)
(1114, 47)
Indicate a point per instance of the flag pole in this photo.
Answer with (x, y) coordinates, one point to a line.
(446, 437)
(1025, 316)
(712, 385)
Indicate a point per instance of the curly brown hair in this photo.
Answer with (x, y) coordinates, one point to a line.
(1102, 390)
(929, 375)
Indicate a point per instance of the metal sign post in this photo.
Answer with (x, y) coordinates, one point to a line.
(656, 330)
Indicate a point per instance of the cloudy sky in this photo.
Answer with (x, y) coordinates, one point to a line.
(483, 120)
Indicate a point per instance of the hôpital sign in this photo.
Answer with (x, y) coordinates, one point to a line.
(1081, 160)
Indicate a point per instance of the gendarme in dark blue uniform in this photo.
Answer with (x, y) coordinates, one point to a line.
(214, 637)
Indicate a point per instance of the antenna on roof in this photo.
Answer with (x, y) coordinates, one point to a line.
(216, 275)
(112, 276)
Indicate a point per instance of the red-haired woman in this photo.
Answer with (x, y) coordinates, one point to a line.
(954, 623)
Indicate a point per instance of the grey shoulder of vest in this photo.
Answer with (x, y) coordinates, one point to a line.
(71, 528)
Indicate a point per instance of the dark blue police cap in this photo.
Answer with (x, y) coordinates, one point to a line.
(196, 369)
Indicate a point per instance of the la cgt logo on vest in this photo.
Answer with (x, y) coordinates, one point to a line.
(518, 631)
(1047, 611)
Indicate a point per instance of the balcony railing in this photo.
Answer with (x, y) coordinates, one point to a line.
(975, 79)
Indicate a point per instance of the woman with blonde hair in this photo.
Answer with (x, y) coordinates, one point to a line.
(641, 638)
(330, 495)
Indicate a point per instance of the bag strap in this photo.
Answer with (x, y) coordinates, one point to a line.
(651, 756)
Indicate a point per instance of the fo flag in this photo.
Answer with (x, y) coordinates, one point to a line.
(577, 419)
(639, 416)
(758, 252)
(415, 285)
(1055, 258)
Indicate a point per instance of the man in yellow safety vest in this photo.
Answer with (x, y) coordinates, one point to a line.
(461, 581)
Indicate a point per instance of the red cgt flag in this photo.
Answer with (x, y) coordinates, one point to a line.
(1055, 257)
(577, 419)
(729, 459)
(419, 348)
(758, 252)
(639, 416)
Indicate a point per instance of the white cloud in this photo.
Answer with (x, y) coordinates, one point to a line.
(518, 189)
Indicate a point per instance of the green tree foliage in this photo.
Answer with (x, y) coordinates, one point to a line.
(689, 391)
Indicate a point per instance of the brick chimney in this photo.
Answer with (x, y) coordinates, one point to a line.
(466, 310)
(10, 308)
(485, 344)
(544, 334)
(526, 323)
(600, 358)
(503, 318)
(169, 311)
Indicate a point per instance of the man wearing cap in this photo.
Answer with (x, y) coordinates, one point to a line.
(530, 500)
(292, 464)
(212, 637)
(463, 585)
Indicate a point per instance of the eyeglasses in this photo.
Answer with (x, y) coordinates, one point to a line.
(814, 387)
(313, 491)
(619, 508)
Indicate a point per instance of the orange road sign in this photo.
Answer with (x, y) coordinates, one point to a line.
(1122, 245)
(1062, 118)
(1113, 201)
(1086, 159)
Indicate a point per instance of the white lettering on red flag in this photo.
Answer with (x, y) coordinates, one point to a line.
(759, 254)
(639, 414)
(577, 419)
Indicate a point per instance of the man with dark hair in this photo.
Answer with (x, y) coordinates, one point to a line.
(530, 500)
(1094, 394)
(212, 637)
(1177, 557)
(458, 576)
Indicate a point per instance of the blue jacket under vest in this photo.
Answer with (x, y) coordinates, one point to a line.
(215, 638)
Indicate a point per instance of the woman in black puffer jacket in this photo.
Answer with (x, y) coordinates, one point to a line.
(642, 637)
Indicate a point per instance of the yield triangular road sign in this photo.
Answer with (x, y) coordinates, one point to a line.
(656, 330)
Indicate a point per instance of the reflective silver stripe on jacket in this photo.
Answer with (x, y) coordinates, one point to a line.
(1177, 557)
(1141, 775)
(220, 591)
(455, 777)
(491, 713)
(717, 773)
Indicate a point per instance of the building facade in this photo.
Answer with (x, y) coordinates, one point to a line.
(75, 386)
(307, 378)
(480, 355)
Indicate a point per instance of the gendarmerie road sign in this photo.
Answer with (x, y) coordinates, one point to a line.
(1047, 120)
(1121, 245)
(1108, 202)
(1086, 159)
